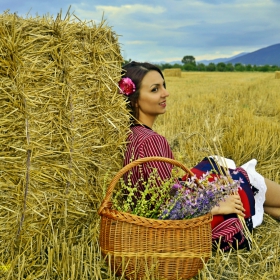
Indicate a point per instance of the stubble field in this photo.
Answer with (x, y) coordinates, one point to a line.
(236, 115)
(240, 112)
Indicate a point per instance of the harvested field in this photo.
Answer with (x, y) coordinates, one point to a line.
(63, 127)
(241, 113)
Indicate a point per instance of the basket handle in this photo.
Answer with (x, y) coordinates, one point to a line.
(132, 164)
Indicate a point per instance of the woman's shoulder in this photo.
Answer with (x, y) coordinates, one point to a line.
(144, 133)
(144, 142)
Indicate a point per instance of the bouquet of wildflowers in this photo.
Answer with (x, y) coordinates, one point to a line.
(196, 197)
(174, 200)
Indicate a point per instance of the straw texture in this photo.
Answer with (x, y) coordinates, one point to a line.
(62, 127)
(174, 72)
(277, 74)
(142, 248)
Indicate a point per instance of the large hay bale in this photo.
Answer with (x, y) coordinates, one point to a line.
(277, 74)
(62, 126)
(174, 72)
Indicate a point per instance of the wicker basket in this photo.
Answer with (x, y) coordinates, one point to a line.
(142, 248)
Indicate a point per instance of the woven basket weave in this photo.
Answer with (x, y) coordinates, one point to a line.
(142, 248)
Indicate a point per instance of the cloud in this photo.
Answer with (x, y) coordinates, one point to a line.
(162, 30)
(231, 28)
(138, 42)
(118, 14)
(124, 10)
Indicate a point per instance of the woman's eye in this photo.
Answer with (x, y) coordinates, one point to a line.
(155, 89)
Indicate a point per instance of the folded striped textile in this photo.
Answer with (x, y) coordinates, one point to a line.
(227, 230)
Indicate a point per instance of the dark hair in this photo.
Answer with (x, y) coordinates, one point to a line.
(136, 71)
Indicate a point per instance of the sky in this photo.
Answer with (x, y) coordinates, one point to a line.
(167, 30)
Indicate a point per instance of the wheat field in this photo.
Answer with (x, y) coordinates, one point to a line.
(238, 111)
(239, 114)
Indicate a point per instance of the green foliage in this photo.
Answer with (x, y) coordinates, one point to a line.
(201, 67)
(264, 68)
(229, 67)
(221, 67)
(239, 67)
(274, 68)
(177, 65)
(188, 59)
(150, 200)
(211, 67)
(165, 66)
(189, 67)
(248, 67)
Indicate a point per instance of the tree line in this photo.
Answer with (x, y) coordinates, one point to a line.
(189, 64)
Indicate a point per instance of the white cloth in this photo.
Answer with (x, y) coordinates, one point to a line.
(256, 179)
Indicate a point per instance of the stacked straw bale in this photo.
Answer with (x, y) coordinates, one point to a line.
(63, 126)
(174, 72)
(277, 74)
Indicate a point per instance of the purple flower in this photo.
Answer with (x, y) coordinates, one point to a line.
(194, 200)
(175, 188)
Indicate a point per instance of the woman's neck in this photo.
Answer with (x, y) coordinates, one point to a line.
(147, 122)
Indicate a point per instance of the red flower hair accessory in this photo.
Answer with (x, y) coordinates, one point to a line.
(127, 87)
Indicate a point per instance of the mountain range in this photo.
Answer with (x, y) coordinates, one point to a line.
(224, 59)
(266, 56)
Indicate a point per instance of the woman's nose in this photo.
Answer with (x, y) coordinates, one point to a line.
(166, 93)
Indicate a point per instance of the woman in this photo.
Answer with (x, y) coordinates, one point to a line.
(143, 85)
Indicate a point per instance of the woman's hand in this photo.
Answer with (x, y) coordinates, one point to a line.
(232, 204)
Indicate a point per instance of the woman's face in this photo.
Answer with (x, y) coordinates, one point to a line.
(152, 98)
